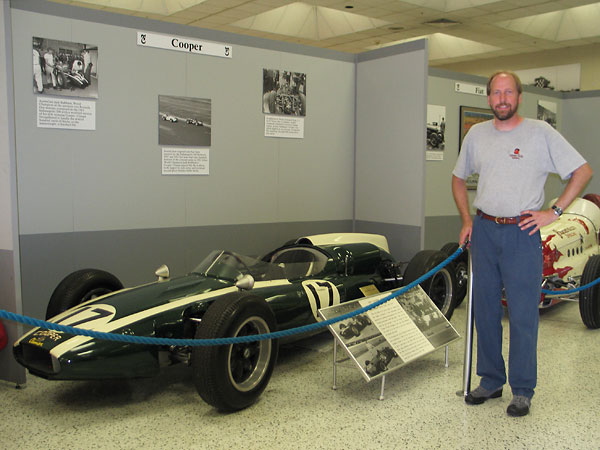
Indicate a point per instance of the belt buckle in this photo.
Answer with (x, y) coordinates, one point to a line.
(499, 220)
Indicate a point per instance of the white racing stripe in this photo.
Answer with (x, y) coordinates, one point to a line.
(68, 345)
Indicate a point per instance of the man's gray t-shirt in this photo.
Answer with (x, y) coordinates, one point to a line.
(513, 165)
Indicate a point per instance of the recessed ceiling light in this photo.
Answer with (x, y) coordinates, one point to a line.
(442, 22)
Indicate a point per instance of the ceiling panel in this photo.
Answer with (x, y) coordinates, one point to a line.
(507, 27)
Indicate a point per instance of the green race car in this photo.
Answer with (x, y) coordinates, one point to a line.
(226, 295)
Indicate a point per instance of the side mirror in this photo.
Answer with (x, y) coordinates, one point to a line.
(245, 283)
(162, 273)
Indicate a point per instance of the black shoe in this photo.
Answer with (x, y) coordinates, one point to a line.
(481, 394)
(519, 406)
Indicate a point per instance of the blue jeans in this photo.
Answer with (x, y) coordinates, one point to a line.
(505, 256)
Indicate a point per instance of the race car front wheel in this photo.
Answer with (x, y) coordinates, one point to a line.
(441, 287)
(232, 377)
(79, 287)
(589, 299)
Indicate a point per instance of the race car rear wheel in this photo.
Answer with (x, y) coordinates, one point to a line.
(441, 287)
(79, 287)
(461, 264)
(589, 299)
(232, 377)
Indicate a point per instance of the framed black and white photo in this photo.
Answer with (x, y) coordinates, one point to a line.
(184, 121)
(284, 92)
(64, 68)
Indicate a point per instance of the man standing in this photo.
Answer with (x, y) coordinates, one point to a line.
(513, 156)
(50, 64)
(37, 70)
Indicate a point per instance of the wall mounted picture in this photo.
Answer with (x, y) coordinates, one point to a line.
(284, 92)
(184, 121)
(469, 116)
(65, 68)
(546, 111)
(436, 127)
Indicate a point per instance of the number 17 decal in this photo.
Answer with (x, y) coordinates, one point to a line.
(321, 294)
(89, 317)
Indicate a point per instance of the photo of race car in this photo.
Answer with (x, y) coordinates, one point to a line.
(169, 117)
(380, 362)
(571, 251)
(354, 326)
(226, 295)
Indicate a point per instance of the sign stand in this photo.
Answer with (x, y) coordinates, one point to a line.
(381, 393)
(389, 336)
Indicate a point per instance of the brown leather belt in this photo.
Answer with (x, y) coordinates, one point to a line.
(502, 220)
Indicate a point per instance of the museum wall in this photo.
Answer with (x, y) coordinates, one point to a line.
(390, 98)
(98, 199)
(576, 113)
(580, 127)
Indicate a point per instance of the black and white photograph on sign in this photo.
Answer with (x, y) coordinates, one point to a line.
(546, 111)
(284, 92)
(427, 317)
(184, 121)
(64, 68)
(356, 329)
(376, 356)
(436, 127)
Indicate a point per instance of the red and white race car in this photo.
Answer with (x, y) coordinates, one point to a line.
(572, 257)
(571, 249)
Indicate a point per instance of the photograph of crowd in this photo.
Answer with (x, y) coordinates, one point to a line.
(284, 92)
(65, 68)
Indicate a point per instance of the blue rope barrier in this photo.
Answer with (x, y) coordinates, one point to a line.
(223, 341)
(571, 291)
(259, 337)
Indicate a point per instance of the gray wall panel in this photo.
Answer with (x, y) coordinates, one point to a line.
(402, 239)
(98, 16)
(580, 116)
(439, 230)
(134, 255)
(390, 141)
(9, 369)
(109, 179)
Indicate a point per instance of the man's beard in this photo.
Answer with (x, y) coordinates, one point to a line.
(505, 114)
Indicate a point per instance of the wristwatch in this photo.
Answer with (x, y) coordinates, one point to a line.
(557, 210)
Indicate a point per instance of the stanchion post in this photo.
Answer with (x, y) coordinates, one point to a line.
(335, 345)
(468, 335)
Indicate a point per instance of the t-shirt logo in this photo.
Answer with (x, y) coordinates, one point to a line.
(516, 154)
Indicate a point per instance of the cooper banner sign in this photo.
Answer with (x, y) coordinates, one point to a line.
(183, 44)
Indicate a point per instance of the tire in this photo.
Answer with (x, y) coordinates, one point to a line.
(232, 377)
(79, 287)
(461, 265)
(589, 299)
(441, 287)
(60, 80)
